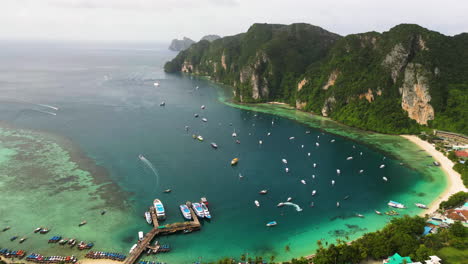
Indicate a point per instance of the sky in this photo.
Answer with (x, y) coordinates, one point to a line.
(164, 20)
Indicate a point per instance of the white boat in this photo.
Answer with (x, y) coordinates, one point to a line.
(163, 103)
(140, 235)
(289, 199)
(260, 142)
(360, 153)
(302, 146)
(214, 145)
(382, 166)
(313, 176)
(332, 140)
(257, 203)
(200, 138)
(198, 210)
(337, 204)
(396, 205)
(132, 248)
(377, 212)
(291, 138)
(149, 220)
(314, 192)
(317, 144)
(338, 171)
(204, 120)
(159, 207)
(287, 169)
(206, 212)
(196, 115)
(360, 215)
(156, 84)
(272, 223)
(307, 132)
(268, 134)
(315, 165)
(263, 192)
(303, 181)
(420, 205)
(308, 154)
(385, 178)
(280, 204)
(333, 182)
(202, 107)
(361, 171)
(349, 158)
(234, 134)
(185, 211)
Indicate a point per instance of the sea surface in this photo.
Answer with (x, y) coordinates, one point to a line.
(60, 167)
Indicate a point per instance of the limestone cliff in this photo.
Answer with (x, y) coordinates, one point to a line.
(181, 44)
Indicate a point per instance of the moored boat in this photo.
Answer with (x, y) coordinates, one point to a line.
(167, 191)
(272, 223)
(205, 201)
(280, 204)
(263, 192)
(360, 215)
(37, 230)
(23, 239)
(204, 119)
(396, 205)
(159, 207)
(377, 212)
(257, 203)
(6, 228)
(200, 138)
(148, 218)
(314, 192)
(185, 211)
(206, 212)
(234, 161)
(436, 163)
(198, 210)
(420, 205)
(214, 145)
(82, 223)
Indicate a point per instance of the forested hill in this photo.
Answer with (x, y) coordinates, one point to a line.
(399, 81)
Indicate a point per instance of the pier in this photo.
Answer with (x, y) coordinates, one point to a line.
(145, 243)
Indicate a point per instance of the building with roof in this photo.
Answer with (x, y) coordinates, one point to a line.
(397, 259)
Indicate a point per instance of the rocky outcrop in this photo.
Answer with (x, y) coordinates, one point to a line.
(415, 96)
(255, 74)
(328, 106)
(331, 80)
(181, 44)
(369, 96)
(223, 61)
(300, 105)
(187, 67)
(210, 38)
(396, 60)
(301, 84)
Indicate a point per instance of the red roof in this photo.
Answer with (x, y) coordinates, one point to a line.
(461, 153)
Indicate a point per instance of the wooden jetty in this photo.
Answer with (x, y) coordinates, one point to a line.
(145, 243)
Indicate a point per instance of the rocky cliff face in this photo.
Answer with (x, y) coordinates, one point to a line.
(391, 82)
(181, 44)
(210, 38)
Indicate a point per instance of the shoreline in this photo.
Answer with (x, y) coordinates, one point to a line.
(454, 181)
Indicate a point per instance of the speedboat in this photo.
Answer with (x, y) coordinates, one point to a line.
(214, 145)
(200, 138)
(420, 205)
(195, 115)
(37, 230)
(284, 161)
(314, 192)
(280, 204)
(167, 191)
(337, 204)
(346, 197)
(302, 146)
(185, 211)
(268, 134)
(315, 165)
(338, 171)
(160, 212)
(13, 238)
(204, 120)
(272, 223)
(260, 142)
(238, 141)
(263, 192)
(132, 248)
(382, 166)
(307, 132)
(149, 220)
(202, 107)
(234, 134)
(332, 140)
(289, 199)
(313, 176)
(83, 223)
(312, 204)
(377, 212)
(206, 211)
(396, 205)
(286, 169)
(163, 103)
(291, 138)
(360, 215)
(44, 230)
(361, 171)
(333, 182)
(23, 239)
(257, 203)
(234, 161)
(156, 84)
(317, 144)
(6, 228)
(198, 210)
(436, 163)
(385, 178)
(303, 181)
(308, 154)
(349, 158)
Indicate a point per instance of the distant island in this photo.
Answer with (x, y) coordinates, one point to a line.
(185, 43)
(406, 80)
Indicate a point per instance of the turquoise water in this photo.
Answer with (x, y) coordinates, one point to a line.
(56, 170)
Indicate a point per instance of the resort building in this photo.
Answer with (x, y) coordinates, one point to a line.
(397, 259)
(432, 260)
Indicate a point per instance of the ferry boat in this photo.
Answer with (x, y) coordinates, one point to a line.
(149, 220)
(396, 205)
(214, 145)
(185, 211)
(272, 223)
(420, 205)
(160, 212)
(234, 161)
(198, 210)
(206, 212)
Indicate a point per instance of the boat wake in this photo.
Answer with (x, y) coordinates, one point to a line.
(49, 106)
(45, 112)
(298, 208)
(151, 166)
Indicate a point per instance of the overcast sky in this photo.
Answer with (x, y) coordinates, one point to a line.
(163, 20)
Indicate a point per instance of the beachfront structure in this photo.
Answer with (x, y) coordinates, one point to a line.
(397, 259)
(431, 260)
(454, 137)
